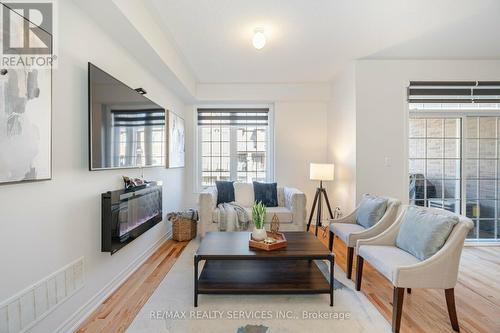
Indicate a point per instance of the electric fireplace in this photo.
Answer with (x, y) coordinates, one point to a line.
(126, 214)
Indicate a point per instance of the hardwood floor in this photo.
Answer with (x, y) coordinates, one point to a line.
(477, 294)
(120, 309)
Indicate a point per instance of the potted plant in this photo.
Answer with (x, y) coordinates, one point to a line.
(258, 217)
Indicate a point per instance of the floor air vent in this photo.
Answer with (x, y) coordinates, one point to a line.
(22, 311)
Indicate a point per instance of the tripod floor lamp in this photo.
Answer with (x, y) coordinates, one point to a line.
(322, 172)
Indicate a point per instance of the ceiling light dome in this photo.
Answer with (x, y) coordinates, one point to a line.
(259, 38)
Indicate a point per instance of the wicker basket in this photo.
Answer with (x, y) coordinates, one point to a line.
(183, 229)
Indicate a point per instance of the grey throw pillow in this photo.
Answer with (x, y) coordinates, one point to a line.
(423, 233)
(371, 209)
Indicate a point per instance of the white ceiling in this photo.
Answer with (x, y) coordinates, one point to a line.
(310, 40)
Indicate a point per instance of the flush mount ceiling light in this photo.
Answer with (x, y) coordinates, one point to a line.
(259, 38)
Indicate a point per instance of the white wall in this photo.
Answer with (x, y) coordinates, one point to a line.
(46, 225)
(147, 23)
(300, 139)
(341, 141)
(190, 192)
(134, 26)
(381, 115)
(270, 92)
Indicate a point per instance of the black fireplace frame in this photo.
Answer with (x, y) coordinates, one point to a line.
(110, 242)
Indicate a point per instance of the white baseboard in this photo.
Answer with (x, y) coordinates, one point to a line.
(76, 319)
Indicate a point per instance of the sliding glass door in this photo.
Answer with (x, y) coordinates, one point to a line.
(434, 163)
(454, 165)
(481, 173)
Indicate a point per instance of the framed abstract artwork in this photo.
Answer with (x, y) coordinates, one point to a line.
(25, 117)
(176, 150)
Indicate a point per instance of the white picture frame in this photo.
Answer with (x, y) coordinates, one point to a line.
(176, 144)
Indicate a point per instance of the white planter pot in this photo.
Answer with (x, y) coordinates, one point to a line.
(259, 234)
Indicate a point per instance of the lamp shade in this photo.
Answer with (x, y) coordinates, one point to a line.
(321, 171)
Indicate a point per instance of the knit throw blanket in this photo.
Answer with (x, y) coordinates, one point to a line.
(233, 217)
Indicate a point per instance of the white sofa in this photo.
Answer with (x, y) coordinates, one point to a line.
(440, 271)
(291, 210)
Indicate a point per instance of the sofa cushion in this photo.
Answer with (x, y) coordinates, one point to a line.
(243, 194)
(370, 211)
(343, 230)
(216, 215)
(267, 193)
(225, 191)
(423, 232)
(281, 196)
(386, 259)
(283, 214)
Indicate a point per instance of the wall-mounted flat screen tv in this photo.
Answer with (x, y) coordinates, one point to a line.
(126, 129)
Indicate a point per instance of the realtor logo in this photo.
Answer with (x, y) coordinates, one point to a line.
(28, 31)
(27, 28)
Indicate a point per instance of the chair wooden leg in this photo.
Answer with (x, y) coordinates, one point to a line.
(359, 272)
(397, 308)
(350, 254)
(452, 310)
(408, 290)
(330, 241)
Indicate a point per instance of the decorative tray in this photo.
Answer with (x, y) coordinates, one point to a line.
(278, 243)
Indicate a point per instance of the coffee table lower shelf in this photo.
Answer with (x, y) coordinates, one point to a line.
(254, 277)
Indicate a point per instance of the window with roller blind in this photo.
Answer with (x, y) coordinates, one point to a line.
(234, 144)
(454, 151)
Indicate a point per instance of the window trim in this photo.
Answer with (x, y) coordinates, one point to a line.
(270, 165)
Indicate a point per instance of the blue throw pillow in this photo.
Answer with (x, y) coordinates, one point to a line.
(423, 233)
(370, 211)
(267, 193)
(225, 191)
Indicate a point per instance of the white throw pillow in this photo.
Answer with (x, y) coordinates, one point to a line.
(243, 194)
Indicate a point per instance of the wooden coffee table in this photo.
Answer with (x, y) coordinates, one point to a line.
(231, 267)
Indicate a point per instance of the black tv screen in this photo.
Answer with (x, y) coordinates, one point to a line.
(126, 129)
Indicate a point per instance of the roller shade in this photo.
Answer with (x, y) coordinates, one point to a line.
(128, 118)
(233, 117)
(454, 92)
